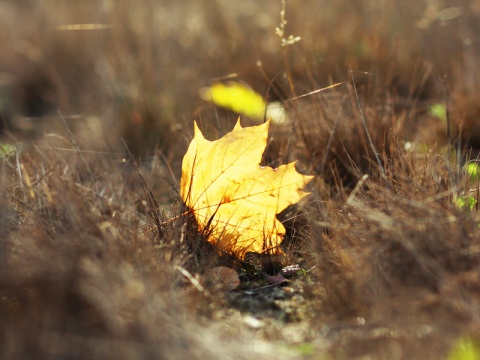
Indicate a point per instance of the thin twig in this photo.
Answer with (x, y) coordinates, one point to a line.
(315, 91)
(71, 150)
(74, 144)
(329, 143)
(172, 174)
(192, 280)
(351, 197)
(19, 169)
(362, 115)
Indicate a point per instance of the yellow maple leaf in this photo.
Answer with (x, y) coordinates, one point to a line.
(233, 198)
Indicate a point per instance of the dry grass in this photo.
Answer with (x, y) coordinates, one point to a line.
(97, 257)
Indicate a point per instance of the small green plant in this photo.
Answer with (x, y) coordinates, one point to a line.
(466, 202)
(438, 111)
(6, 149)
(472, 169)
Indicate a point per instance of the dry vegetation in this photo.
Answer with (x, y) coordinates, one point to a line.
(97, 260)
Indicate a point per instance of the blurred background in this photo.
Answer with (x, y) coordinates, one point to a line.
(132, 70)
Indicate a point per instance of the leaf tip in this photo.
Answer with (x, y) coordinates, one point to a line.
(196, 130)
(238, 126)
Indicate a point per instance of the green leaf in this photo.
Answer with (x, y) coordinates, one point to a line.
(472, 169)
(438, 111)
(6, 149)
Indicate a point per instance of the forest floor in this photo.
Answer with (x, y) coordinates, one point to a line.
(100, 259)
